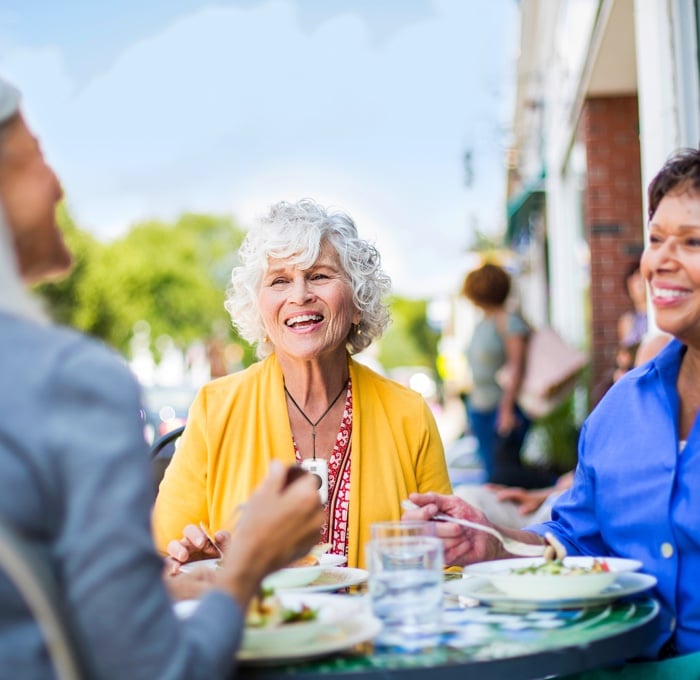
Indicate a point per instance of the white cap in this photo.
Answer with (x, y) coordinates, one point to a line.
(9, 101)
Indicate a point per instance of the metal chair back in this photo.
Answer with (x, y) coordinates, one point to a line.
(163, 443)
(162, 451)
(25, 567)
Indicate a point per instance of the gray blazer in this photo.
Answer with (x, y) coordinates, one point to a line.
(76, 477)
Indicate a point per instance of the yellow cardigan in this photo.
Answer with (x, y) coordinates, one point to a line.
(239, 423)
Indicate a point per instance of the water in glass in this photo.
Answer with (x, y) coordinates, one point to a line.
(405, 586)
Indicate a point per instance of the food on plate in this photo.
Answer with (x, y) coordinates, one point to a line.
(570, 578)
(557, 568)
(313, 557)
(309, 560)
(536, 579)
(266, 611)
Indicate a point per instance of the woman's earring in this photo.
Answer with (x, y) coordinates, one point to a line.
(358, 330)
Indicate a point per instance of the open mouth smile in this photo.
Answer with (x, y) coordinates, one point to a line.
(669, 293)
(303, 320)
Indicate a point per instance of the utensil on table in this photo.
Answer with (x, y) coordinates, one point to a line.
(210, 538)
(510, 544)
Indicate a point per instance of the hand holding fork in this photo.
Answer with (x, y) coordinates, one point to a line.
(511, 545)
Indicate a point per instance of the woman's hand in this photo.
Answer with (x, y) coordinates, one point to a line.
(506, 420)
(280, 523)
(188, 585)
(194, 545)
(461, 544)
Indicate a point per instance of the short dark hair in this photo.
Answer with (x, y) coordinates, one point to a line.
(632, 269)
(487, 286)
(682, 170)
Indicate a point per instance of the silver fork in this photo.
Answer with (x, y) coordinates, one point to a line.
(510, 544)
(211, 539)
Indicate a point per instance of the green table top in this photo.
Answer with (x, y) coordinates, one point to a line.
(481, 642)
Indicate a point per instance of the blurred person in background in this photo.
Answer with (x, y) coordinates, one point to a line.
(498, 343)
(634, 493)
(633, 324)
(76, 478)
(632, 328)
(309, 293)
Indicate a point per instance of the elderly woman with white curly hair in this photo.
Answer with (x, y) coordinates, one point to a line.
(309, 292)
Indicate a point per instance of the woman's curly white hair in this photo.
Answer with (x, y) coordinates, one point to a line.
(297, 231)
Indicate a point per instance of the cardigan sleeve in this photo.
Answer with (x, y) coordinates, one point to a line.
(182, 493)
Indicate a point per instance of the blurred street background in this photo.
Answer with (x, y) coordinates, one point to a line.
(517, 132)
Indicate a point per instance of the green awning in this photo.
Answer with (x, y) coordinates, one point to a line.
(522, 206)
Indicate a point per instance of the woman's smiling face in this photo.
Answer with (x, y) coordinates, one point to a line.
(671, 264)
(307, 312)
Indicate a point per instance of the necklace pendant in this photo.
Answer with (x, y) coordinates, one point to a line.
(319, 469)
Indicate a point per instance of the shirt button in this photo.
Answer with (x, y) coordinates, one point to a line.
(667, 550)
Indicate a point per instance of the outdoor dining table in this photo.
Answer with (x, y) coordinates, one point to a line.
(489, 644)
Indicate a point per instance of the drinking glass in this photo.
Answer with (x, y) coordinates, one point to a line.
(401, 529)
(406, 588)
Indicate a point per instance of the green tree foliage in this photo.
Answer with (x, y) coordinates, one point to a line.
(66, 299)
(409, 340)
(172, 275)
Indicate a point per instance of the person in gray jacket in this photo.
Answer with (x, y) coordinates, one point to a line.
(76, 477)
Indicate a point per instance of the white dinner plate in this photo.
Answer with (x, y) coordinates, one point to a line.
(510, 578)
(481, 589)
(360, 628)
(291, 577)
(349, 622)
(332, 578)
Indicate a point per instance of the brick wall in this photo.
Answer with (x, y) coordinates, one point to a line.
(613, 217)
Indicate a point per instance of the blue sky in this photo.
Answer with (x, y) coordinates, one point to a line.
(149, 108)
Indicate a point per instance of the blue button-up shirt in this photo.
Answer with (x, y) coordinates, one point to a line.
(636, 492)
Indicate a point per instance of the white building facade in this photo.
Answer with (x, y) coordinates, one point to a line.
(606, 90)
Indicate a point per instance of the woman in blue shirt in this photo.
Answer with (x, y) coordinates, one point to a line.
(635, 491)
